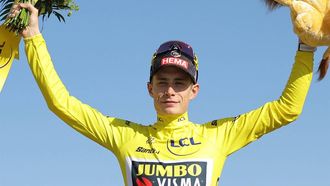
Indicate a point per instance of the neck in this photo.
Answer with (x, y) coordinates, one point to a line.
(171, 120)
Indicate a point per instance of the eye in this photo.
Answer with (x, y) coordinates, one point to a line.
(162, 83)
(180, 83)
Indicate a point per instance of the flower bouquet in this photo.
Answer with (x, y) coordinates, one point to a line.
(12, 26)
(310, 21)
(45, 7)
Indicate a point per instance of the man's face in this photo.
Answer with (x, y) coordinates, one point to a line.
(172, 90)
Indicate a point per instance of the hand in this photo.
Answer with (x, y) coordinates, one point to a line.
(33, 28)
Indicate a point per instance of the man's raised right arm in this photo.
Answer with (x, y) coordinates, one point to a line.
(79, 116)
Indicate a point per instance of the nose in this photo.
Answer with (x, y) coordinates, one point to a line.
(169, 91)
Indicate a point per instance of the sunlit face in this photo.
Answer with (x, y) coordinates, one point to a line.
(172, 89)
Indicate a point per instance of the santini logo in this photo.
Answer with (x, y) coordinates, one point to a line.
(148, 151)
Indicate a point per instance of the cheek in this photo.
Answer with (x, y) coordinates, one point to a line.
(188, 94)
(153, 90)
(157, 94)
(184, 97)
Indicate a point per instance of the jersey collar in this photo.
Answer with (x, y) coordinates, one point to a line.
(171, 122)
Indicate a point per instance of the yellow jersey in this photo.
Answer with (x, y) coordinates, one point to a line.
(173, 151)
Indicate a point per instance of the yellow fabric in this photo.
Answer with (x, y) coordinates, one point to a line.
(173, 150)
(9, 43)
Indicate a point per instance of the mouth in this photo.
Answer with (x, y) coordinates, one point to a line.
(170, 102)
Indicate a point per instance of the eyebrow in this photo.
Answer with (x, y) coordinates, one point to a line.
(165, 78)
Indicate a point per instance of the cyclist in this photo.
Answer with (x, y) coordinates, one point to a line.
(173, 150)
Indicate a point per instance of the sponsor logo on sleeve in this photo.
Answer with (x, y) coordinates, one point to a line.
(188, 173)
(214, 123)
(150, 140)
(236, 118)
(128, 123)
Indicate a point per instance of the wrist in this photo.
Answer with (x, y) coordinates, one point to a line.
(305, 48)
(28, 32)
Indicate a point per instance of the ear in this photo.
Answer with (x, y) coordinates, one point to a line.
(194, 91)
(149, 87)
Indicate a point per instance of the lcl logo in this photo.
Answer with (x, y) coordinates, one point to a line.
(184, 146)
(184, 142)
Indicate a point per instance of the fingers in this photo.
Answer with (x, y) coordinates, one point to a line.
(28, 24)
(16, 9)
(29, 7)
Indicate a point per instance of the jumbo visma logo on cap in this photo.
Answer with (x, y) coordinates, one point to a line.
(190, 173)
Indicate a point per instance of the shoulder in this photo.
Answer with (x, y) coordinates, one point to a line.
(124, 124)
(219, 122)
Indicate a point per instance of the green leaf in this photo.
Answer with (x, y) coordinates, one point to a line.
(46, 9)
(59, 16)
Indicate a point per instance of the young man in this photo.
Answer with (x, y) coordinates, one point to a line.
(172, 151)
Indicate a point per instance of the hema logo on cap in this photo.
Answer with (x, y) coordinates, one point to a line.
(175, 61)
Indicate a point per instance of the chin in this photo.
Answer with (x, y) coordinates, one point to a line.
(171, 111)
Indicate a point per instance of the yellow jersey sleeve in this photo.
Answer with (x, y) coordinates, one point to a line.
(107, 131)
(252, 125)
